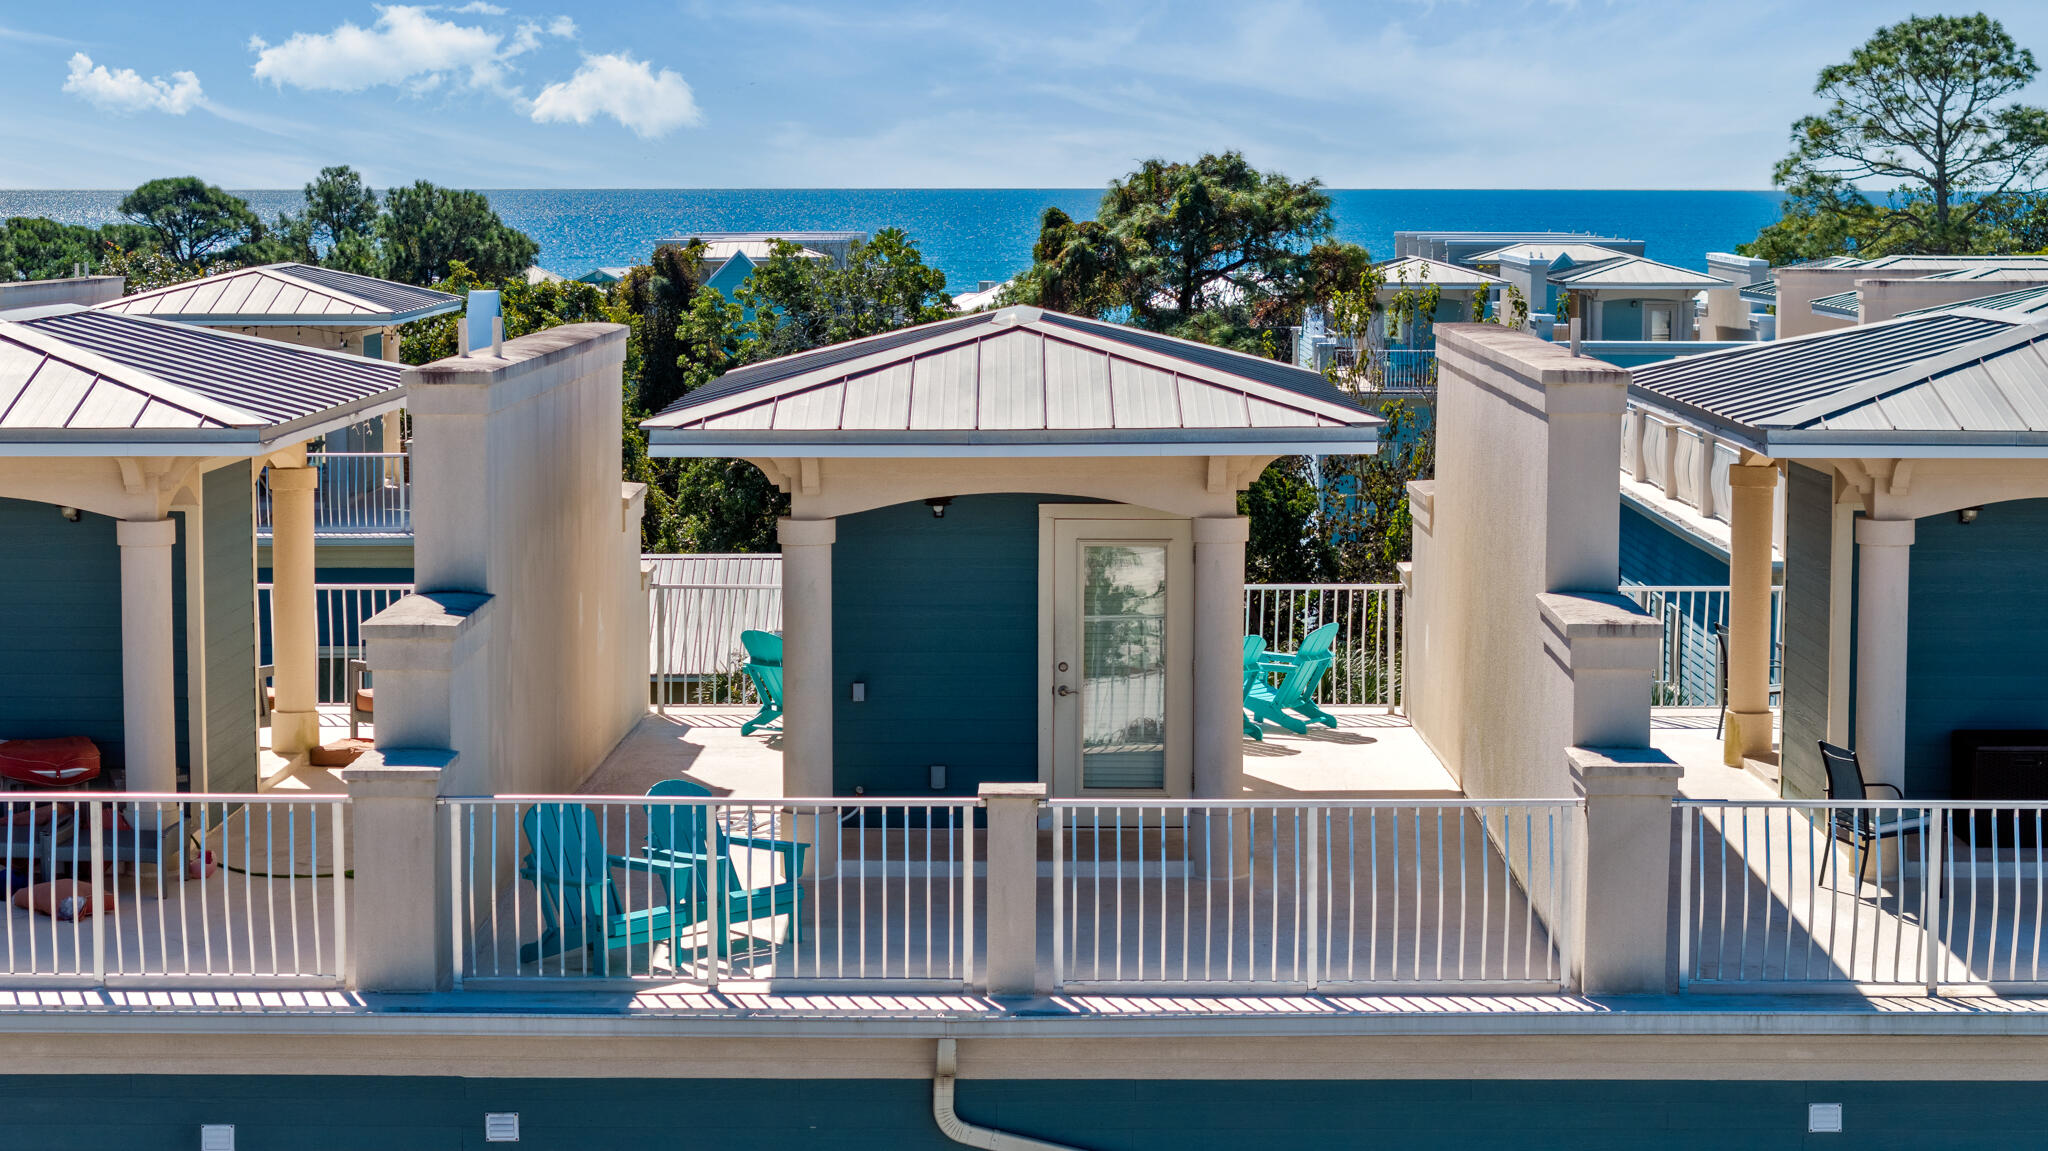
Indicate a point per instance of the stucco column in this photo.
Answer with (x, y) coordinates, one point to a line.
(1011, 962)
(806, 655)
(1748, 730)
(1884, 552)
(294, 621)
(399, 914)
(1219, 656)
(148, 714)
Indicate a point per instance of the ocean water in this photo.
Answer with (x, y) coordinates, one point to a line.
(975, 234)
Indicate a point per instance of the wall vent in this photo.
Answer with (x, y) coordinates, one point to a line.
(501, 1127)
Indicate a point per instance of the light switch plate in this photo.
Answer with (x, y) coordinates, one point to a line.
(938, 777)
(860, 691)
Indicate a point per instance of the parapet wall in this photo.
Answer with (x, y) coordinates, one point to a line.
(517, 498)
(1524, 504)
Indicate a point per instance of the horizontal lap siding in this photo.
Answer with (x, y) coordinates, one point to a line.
(1809, 542)
(939, 617)
(230, 631)
(60, 626)
(1977, 630)
(394, 1113)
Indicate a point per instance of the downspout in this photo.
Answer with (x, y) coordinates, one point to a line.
(961, 1131)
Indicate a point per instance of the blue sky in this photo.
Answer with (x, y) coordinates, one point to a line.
(676, 93)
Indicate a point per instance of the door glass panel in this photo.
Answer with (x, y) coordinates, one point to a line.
(1123, 664)
(1660, 323)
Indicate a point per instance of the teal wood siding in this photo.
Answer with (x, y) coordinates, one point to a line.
(1621, 319)
(60, 626)
(1809, 542)
(939, 618)
(1654, 554)
(1976, 632)
(60, 629)
(230, 631)
(393, 1113)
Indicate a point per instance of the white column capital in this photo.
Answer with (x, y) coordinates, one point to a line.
(1222, 529)
(1884, 533)
(146, 533)
(792, 532)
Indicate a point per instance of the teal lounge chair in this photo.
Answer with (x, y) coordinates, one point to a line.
(1291, 704)
(580, 905)
(764, 667)
(1254, 647)
(747, 891)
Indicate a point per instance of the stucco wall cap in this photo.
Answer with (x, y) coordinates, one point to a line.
(1623, 771)
(1012, 791)
(1522, 353)
(528, 353)
(1586, 616)
(440, 615)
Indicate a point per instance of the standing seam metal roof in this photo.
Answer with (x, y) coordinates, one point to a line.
(256, 381)
(304, 292)
(2020, 301)
(1018, 370)
(1997, 384)
(1754, 384)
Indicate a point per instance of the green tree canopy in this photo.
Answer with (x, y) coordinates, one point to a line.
(1214, 250)
(799, 303)
(189, 218)
(426, 229)
(1926, 105)
(34, 248)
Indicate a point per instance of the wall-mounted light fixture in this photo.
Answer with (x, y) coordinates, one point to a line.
(1968, 515)
(70, 514)
(939, 504)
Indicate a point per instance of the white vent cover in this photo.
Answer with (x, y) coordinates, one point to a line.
(1824, 1118)
(501, 1127)
(217, 1137)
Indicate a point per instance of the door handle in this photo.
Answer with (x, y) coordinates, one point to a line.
(1063, 690)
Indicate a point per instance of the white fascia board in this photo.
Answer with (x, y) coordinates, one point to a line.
(238, 441)
(350, 321)
(670, 443)
(1911, 446)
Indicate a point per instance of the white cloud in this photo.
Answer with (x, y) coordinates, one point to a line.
(630, 91)
(478, 8)
(124, 90)
(405, 47)
(562, 26)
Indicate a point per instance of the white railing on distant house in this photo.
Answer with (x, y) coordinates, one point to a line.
(358, 493)
(1309, 893)
(1366, 668)
(342, 608)
(1406, 369)
(1689, 665)
(831, 891)
(215, 887)
(1812, 895)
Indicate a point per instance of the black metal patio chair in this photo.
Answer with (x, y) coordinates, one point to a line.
(1861, 826)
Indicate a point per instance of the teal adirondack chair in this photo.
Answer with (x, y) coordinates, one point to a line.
(580, 905)
(740, 893)
(1301, 671)
(1254, 648)
(764, 667)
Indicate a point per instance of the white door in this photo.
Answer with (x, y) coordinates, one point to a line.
(1659, 320)
(1116, 675)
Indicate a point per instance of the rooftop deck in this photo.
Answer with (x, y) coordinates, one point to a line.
(1354, 882)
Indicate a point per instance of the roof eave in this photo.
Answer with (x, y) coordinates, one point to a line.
(243, 440)
(351, 322)
(699, 443)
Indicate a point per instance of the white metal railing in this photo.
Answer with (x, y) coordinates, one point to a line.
(342, 608)
(358, 493)
(694, 639)
(1407, 369)
(795, 890)
(151, 887)
(1366, 669)
(1822, 895)
(1689, 666)
(1309, 893)
(694, 652)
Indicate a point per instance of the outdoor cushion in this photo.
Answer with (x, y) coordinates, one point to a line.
(64, 899)
(365, 699)
(49, 762)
